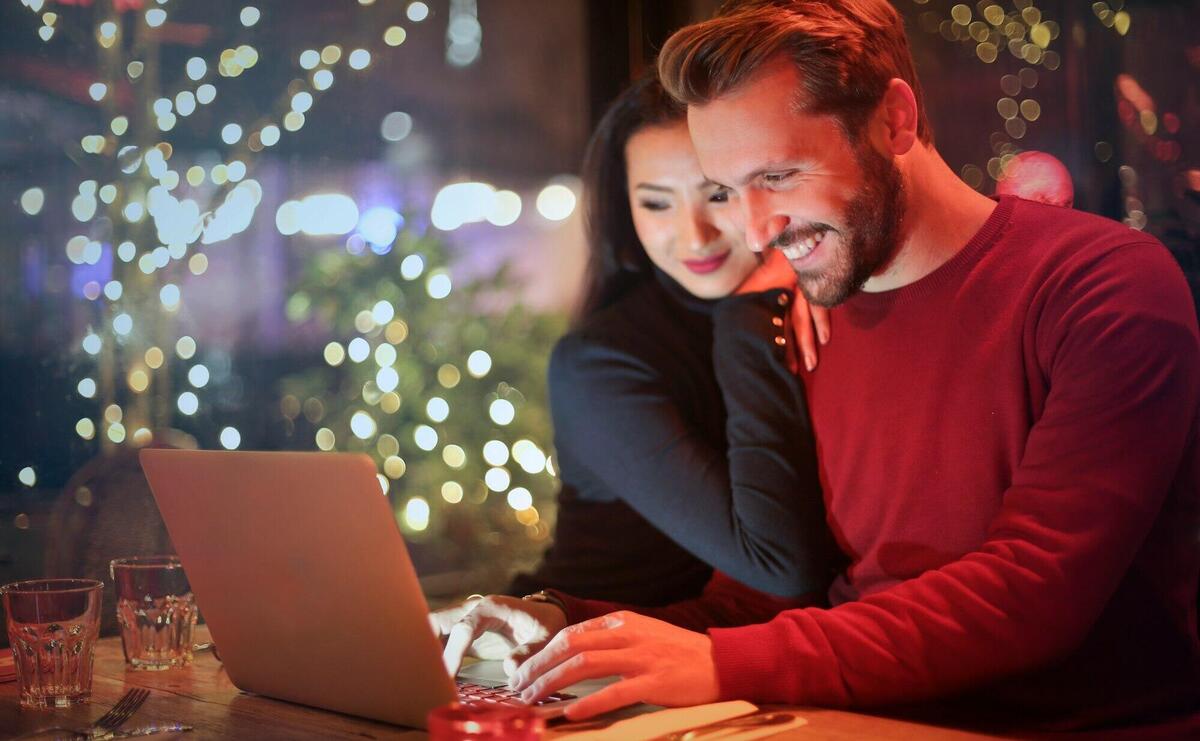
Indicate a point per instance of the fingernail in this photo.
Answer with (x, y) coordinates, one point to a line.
(810, 362)
(823, 336)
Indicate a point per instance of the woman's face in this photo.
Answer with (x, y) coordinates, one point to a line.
(682, 221)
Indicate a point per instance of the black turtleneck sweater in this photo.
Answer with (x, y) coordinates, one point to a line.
(683, 445)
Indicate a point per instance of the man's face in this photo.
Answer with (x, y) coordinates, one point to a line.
(832, 206)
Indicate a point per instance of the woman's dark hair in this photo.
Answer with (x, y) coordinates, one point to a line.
(616, 259)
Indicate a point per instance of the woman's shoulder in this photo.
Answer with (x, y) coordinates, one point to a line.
(627, 334)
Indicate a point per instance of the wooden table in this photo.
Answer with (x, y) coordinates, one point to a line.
(203, 697)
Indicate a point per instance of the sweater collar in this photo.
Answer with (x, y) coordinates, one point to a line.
(682, 296)
(949, 272)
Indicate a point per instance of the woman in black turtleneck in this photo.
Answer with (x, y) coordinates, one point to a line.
(682, 436)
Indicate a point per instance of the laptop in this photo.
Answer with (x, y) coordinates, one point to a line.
(304, 580)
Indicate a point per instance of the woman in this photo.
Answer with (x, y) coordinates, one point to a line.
(682, 436)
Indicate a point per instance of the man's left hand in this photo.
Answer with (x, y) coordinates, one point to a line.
(658, 663)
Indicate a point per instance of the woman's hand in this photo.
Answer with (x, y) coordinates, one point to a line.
(810, 324)
(497, 628)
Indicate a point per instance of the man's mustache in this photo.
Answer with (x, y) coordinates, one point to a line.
(792, 235)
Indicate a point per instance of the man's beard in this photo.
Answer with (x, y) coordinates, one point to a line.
(870, 234)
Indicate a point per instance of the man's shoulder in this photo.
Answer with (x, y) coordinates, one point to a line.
(1051, 248)
(1055, 234)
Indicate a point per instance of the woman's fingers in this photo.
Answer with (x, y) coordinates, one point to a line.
(820, 315)
(805, 335)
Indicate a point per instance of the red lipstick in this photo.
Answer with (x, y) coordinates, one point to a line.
(708, 264)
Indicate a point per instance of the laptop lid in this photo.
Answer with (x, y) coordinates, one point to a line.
(301, 573)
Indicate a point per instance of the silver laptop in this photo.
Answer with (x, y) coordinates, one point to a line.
(303, 578)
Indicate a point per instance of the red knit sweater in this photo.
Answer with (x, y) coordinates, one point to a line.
(1009, 456)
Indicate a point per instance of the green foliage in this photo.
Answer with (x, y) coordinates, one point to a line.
(431, 340)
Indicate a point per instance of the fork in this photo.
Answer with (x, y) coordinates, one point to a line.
(106, 724)
(129, 704)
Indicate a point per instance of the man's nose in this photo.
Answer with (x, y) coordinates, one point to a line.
(762, 224)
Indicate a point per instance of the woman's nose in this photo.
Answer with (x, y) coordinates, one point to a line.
(697, 231)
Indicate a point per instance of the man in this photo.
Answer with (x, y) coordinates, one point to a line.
(1007, 422)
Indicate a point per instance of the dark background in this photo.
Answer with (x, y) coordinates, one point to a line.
(522, 115)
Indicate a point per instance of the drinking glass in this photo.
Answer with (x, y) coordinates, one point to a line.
(52, 629)
(156, 611)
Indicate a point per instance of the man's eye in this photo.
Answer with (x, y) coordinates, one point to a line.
(654, 205)
(777, 177)
(719, 196)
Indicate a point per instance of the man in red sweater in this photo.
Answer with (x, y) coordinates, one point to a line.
(1007, 423)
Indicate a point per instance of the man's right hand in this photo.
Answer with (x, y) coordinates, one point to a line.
(495, 627)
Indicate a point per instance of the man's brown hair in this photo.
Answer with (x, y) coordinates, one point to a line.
(846, 52)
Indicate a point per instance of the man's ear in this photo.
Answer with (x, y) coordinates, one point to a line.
(896, 118)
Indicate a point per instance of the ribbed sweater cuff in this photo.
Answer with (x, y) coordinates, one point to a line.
(771, 662)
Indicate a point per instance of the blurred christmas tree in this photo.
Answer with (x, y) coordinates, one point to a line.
(443, 387)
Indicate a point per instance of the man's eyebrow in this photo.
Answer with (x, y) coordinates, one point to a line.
(653, 187)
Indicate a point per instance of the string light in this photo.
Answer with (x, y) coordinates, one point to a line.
(464, 35)
(425, 437)
(416, 514)
(495, 452)
(502, 412)
(417, 11)
(180, 222)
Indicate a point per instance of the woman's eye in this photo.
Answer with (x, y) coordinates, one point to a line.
(720, 196)
(654, 205)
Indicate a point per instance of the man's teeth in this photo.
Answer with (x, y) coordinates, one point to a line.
(801, 249)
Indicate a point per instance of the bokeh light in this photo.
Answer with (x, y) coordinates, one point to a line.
(358, 350)
(479, 363)
(529, 456)
(32, 201)
(396, 126)
(362, 425)
(411, 267)
(185, 347)
(417, 11)
(556, 202)
(495, 452)
(416, 514)
(452, 492)
(86, 388)
(438, 285)
(325, 439)
(520, 498)
(502, 411)
(437, 409)
(198, 375)
(188, 403)
(497, 479)
(454, 456)
(425, 437)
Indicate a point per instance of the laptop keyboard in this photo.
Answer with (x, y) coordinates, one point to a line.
(470, 693)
